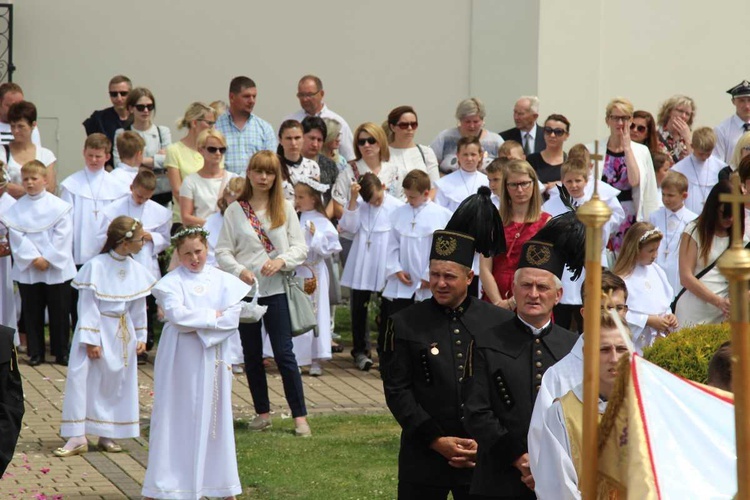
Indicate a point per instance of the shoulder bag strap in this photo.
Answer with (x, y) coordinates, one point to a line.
(353, 164)
(255, 222)
(424, 160)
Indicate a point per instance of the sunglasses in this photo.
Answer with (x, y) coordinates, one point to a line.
(555, 131)
(370, 140)
(522, 185)
(407, 125)
(214, 149)
(639, 128)
(207, 122)
(121, 93)
(144, 107)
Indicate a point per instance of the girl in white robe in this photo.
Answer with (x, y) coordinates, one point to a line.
(649, 292)
(8, 313)
(101, 390)
(322, 242)
(191, 445)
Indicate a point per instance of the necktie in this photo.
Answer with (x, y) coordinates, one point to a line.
(746, 126)
(527, 144)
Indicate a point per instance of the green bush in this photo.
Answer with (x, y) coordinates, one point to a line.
(687, 352)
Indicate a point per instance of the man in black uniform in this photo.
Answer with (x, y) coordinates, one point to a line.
(11, 398)
(508, 361)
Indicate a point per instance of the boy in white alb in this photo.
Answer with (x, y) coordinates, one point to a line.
(671, 220)
(701, 169)
(407, 255)
(90, 190)
(156, 221)
(130, 146)
(41, 234)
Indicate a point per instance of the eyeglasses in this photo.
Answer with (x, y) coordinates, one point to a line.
(144, 107)
(307, 95)
(407, 125)
(214, 149)
(555, 131)
(522, 184)
(639, 128)
(370, 140)
(121, 93)
(619, 118)
(207, 122)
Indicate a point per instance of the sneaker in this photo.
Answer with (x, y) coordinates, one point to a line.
(363, 362)
(237, 369)
(143, 358)
(316, 370)
(303, 431)
(259, 424)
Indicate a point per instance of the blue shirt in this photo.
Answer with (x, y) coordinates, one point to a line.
(243, 143)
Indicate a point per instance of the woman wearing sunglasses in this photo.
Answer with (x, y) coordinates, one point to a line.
(141, 104)
(407, 155)
(201, 191)
(548, 161)
(183, 157)
(643, 131)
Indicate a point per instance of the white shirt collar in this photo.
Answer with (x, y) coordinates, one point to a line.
(534, 330)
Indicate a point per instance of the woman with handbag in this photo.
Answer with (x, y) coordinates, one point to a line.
(262, 240)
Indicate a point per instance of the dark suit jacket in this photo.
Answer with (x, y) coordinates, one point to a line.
(11, 398)
(513, 134)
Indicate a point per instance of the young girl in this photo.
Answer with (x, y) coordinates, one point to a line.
(322, 242)
(101, 391)
(191, 447)
(364, 271)
(459, 185)
(7, 296)
(649, 291)
(294, 166)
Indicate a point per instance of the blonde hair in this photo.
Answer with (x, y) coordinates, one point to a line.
(507, 147)
(704, 139)
(574, 166)
(196, 111)
(267, 161)
(666, 109)
(675, 180)
(98, 141)
(580, 152)
(470, 107)
(743, 142)
(34, 167)
(234, 188)
(621, 104)
(378, 133)
(535, 202)
(208, 133)
(636, 237)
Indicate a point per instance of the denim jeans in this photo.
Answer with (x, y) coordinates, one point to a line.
(279, 329)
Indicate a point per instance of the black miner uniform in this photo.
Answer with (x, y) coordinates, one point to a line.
(428, 346)
(11, 398)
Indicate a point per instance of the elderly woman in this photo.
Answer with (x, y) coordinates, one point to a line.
(142, 107)
(675, 119)
(470, 114)
(548, 161)
(407, 155)
(183, 157)
(629, 168)
(521, 212)
(260, 238)
(22, 119)
(643, 131)
(741, 150)
(201, 191)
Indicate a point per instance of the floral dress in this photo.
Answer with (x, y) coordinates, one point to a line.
(615, 173)
(674, 146)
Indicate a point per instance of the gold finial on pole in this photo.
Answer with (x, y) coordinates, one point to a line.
(594, 214)
(734, 264)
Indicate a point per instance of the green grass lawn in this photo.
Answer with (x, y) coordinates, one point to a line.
(348, 457)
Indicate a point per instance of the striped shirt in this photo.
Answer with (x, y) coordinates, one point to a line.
(256, 135)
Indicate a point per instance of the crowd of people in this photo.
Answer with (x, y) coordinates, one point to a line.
(461, 242)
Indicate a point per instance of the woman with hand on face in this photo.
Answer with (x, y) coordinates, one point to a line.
(294, 165)
(261, 236)
(547, 162)
(201, 191)
(406, 154)
(675, 120)
(470, 114)
(628, 167)
(643, 131)
(142, 106)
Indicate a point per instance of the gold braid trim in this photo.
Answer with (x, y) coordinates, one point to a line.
(616, 400)
(92, 287)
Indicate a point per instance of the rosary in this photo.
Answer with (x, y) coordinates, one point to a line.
(372, 226)
(94, 197)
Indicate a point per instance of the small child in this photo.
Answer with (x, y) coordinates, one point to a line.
(662, 164)
(511, 150)
(41, 236)
(8, 312)
(322, 242)
(156, 221)
(407, 257)
(191, 446)
(701, 168)
(466, 180)
(671, 220)
(649, 292)
(494, 172)
(130, 146)
(364, 271)
(101, 390)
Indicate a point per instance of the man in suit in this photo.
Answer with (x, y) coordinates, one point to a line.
(526, 132)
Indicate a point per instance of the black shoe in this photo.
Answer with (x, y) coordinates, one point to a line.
(36, 360)
(143, 358)
(62, 360)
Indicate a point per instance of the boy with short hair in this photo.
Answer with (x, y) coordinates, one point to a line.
(701, 168)
(156, 221)
(40, 227)
(511, 150)
(89, 190)
(494, 173)
(671, 220)
(130, 146)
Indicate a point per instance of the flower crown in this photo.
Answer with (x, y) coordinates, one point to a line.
(648, 234)
(129, 234)
(317, 186)
(189, 231)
